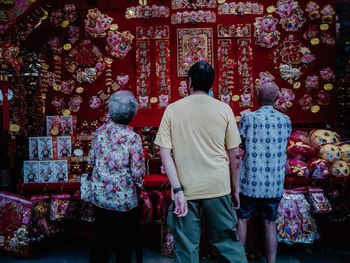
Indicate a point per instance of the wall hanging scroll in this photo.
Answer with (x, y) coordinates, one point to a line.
(152, 32)
(240, 8)
(154, 11)
(193, 17)
(193, 45)
(245, 72)
(163, 72)
(184, 4)
(143, 72)
(226, 67)
(239, 30)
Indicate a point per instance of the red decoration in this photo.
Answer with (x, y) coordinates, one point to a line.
(143, 72)
(239, 30)
(152, 32)
(163, 71)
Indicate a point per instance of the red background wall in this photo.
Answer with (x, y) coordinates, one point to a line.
(262, 59)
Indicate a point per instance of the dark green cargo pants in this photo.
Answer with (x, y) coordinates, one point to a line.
(221, 221)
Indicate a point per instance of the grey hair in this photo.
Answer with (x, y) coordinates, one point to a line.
(122, 107)
(268, 92)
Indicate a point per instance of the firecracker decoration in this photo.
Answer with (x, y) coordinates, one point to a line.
(313, 10)
(154, 11)
(226, 67)
(152, 32)
(265, 32)
(108, 79)
(163, 83)
(85, 62)
(291, 15)
(240, 8)
(96, 23)
(193, 45)
(234, 30)
(143, 72)
(119, 43)
(193, 17)
(9, 56)
(245, 72)
(327, 13)
(187, 4)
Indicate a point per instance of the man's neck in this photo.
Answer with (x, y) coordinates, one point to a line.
(266, 104)
(199, 92)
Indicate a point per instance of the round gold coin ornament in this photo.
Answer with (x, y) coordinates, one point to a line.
(297, 85)
(221, 1)
(45, 66)
(108, 61)
(324, 27)
(65, 23)
(235, 98)
(56, 87)
(114, 27)
(79, 90)
(67, 46)
(66, 112)
(153, 100)
(315, 109)
(143, 2)
(271, 9)
(238, 118)
(54, 131)
(315, 41)
(328, 86)
(14, 127)
(289, 104)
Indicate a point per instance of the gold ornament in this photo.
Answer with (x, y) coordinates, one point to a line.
(315, 109)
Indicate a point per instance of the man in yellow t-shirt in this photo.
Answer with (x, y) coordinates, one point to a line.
(197, 136)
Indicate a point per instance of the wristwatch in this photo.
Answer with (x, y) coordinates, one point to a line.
(178, 189)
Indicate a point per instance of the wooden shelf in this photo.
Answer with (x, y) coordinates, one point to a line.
(152, 181)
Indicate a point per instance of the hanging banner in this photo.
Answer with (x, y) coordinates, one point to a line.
(245, 72)
(225, 70)
(143, 72)
(152, 32)
(239, 30)
(163, 72)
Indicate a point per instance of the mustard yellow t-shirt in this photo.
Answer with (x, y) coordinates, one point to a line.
(199, 129)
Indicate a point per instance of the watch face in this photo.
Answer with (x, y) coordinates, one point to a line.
(78, 152)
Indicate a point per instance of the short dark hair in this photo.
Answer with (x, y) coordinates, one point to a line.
(202, 76)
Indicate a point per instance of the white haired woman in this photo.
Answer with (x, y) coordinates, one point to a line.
(118, 172)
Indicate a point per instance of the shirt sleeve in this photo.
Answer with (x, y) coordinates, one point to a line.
(232, 138)
(243, 127)
(93, 150)
(137, 161)
(163, 138)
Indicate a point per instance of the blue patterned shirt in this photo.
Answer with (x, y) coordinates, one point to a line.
(265, 134)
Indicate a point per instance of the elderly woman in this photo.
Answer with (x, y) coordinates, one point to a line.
(118, 171)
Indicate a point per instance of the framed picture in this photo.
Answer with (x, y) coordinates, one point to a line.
(31, 171)
(193, 45)
(45, 171)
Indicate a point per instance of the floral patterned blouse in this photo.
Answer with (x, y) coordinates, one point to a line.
(119, 167)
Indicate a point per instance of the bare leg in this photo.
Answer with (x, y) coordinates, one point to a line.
(270, 241)
(242, 230)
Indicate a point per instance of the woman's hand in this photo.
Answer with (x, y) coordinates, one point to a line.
(180, 204)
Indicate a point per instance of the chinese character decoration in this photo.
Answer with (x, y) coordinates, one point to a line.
(291, 15)
(239, 30)
(85, 62)
(163, 71)
(240, 8)
(119, 43)
(152, 32)
(245, 72)
(294, 59)
(153, 11)
(96, 23)
(193, 45)
(186, 4)
(265, 32)
(225, 70)
(143, 72)
(193, 17)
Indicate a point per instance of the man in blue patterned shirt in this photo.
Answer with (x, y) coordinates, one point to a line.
(265, 134)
